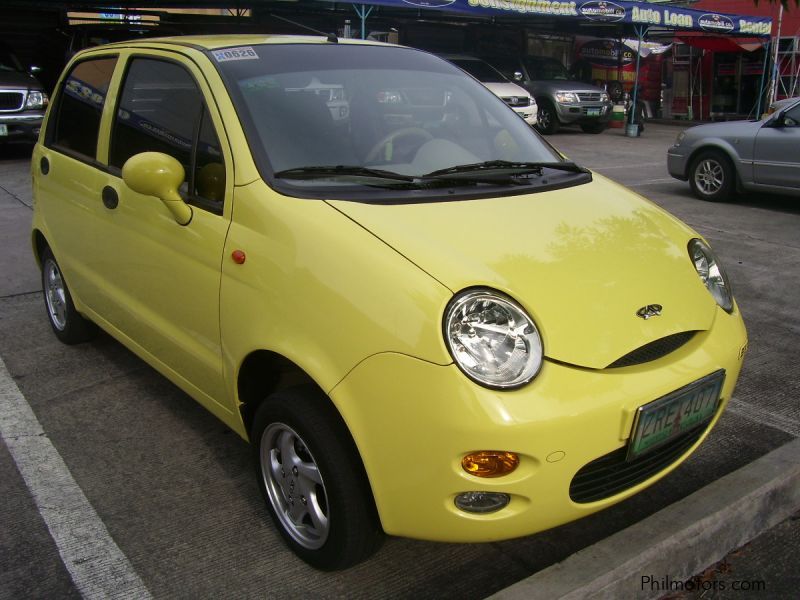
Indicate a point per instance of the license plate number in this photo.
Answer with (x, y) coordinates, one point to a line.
(3, 129)
(593, 112)
(662, 420)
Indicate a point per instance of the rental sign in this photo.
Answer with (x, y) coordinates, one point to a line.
(619, 11)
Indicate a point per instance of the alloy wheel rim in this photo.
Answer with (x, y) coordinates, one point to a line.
(294, 486)
(544, 118)
(55, 295)
(709, 176)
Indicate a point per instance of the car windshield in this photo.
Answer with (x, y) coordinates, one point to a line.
(327, 115)
(8, 62)
(544, 68)
(480, 70)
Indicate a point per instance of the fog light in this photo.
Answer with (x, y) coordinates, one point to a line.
(490, 463)
(482, 502)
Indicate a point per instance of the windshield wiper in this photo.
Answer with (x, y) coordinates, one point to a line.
(323, 171)
(503, 167)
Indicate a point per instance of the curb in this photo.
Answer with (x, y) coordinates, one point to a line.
(678, 541)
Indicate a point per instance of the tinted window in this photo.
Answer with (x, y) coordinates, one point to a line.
(76, 122)
(792, 118)
(161, 109)
(480, 70)
(158, 111)
(306, 107)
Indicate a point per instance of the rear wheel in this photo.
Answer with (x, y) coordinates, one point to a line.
(313, 480)
(711, 176)
(67, 323)
(548, 119)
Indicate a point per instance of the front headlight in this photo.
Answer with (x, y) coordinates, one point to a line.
(567, 97)
(36, 99)
(680, 137)
(492, 339)
(711, 273)
(604, 97)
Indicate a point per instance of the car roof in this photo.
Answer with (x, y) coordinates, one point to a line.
(214, 42)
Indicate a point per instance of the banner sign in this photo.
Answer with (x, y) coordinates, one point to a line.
(601, 11)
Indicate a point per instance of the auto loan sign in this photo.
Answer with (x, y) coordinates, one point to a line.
(619, 11)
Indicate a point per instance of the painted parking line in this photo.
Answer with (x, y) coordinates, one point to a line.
(97, 566)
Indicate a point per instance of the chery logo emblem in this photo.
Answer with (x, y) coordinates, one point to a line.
(651, 310)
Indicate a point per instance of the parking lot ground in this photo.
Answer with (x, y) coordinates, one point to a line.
(174, 488)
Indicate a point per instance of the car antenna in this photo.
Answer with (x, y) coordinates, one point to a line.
(331, 37)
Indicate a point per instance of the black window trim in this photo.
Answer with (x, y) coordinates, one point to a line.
(55, 113)
(189, 196)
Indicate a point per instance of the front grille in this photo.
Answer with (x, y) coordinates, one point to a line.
(589, 96)
(517, 101)
(653, 350)
(612, 474)
(11, 100)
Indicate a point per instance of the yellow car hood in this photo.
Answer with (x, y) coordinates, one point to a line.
(581, 260)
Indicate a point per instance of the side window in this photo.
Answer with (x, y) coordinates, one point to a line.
(161, 109)
(792, 117)
(76, 119)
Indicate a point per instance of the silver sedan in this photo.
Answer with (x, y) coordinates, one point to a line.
(719, 159)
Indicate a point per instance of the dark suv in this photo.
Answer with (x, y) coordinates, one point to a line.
(22, 100)
(561, 99)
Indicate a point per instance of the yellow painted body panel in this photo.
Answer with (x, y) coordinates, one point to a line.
(412, 434)
(354, 294)
(581, 260)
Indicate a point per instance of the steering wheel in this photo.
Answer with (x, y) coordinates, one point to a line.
(397, 133)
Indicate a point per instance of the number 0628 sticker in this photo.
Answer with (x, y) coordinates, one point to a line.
(241, 53)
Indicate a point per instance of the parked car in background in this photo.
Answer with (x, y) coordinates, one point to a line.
(560, 99)
(423, 318)
(22, 100)
(510, 93)
(719, 159)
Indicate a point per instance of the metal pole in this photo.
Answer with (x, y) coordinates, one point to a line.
(640, 34)
(776, 67)
(763, 75)
(363, 13)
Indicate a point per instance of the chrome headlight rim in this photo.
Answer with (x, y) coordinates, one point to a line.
(36, 99)
(472, 294)
(724, 297)
(564, 97)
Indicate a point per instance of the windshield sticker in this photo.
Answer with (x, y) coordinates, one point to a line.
(242, 53)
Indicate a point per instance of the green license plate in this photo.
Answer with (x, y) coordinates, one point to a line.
(593, 112)
(3, 129)
(662, 420)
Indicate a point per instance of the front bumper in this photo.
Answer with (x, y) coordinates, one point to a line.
(21, 126)
(676, 163)
(530, 114)
(584, 113)
(413, 422)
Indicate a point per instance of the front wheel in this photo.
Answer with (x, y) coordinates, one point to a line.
(711, 176)
(313, 480)
(67, 323)
(548, 119)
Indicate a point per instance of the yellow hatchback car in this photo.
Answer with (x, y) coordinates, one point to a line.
(425, 320)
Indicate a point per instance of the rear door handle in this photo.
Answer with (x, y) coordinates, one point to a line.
(110, 197)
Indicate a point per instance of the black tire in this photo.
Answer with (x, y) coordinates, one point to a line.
(548, 118)
(67, 323)
(711, 176)
(338, 523)
(594, 127)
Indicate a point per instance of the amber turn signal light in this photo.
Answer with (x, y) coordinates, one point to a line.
(490, 463)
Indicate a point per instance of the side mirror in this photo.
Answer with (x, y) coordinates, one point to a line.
(160, 175)
(517, 75)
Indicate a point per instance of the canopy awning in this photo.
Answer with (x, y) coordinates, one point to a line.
(601, 13)
(721, 44)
